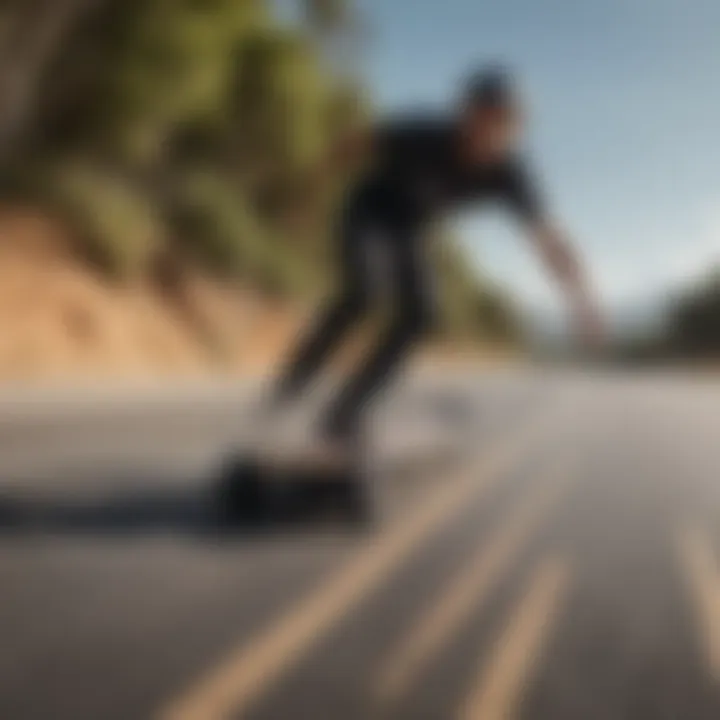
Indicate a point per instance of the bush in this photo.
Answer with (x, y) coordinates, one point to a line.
(117, 225)
(215, 224)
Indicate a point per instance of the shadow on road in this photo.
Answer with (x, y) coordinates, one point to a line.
(163, 508)
(143, 502)
(140, 511)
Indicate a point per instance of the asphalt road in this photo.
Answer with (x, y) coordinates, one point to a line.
(561, 565)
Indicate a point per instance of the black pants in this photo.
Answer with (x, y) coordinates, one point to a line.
(375, 245)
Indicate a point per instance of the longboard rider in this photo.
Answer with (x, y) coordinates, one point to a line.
(423, 165)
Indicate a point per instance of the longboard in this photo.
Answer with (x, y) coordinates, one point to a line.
(265, 483)
(259, 489)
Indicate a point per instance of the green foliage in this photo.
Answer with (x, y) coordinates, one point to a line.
(175, 66)
(215, 225)
(118, 224)
(201, 119)
(690, 331)
(279, 101)
(327, 15)
(694, 324)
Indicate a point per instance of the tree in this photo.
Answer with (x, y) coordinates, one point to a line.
(35, 33)
(184, 130)
(695, 320)
(340, 32)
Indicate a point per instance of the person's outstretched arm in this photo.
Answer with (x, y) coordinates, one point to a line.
(562, 261)
(557, 253)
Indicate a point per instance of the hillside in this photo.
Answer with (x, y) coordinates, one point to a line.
(61, 318)
(154, 165)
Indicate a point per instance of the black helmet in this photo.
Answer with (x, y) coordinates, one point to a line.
(492, 86)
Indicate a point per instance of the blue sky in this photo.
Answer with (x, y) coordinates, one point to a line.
(624, 98)
(625, 104)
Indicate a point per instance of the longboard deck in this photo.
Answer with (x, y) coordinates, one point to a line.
(257, 490)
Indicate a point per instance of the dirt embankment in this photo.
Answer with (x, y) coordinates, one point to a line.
(60, 318)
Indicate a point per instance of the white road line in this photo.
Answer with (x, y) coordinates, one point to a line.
(237, 682)
(701, 569)
(500, 691)
(471, 587)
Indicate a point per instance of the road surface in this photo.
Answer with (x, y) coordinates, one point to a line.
(563, 567)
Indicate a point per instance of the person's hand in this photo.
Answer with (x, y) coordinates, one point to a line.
(590, 326)
(567, 270)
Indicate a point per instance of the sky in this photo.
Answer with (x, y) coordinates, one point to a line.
(624, 102)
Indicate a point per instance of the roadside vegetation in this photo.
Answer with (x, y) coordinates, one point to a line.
(175, 137)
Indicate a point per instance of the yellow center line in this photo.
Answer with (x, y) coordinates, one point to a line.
(471, 587)
(500, 691)
(241, 678)
(696, 554)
